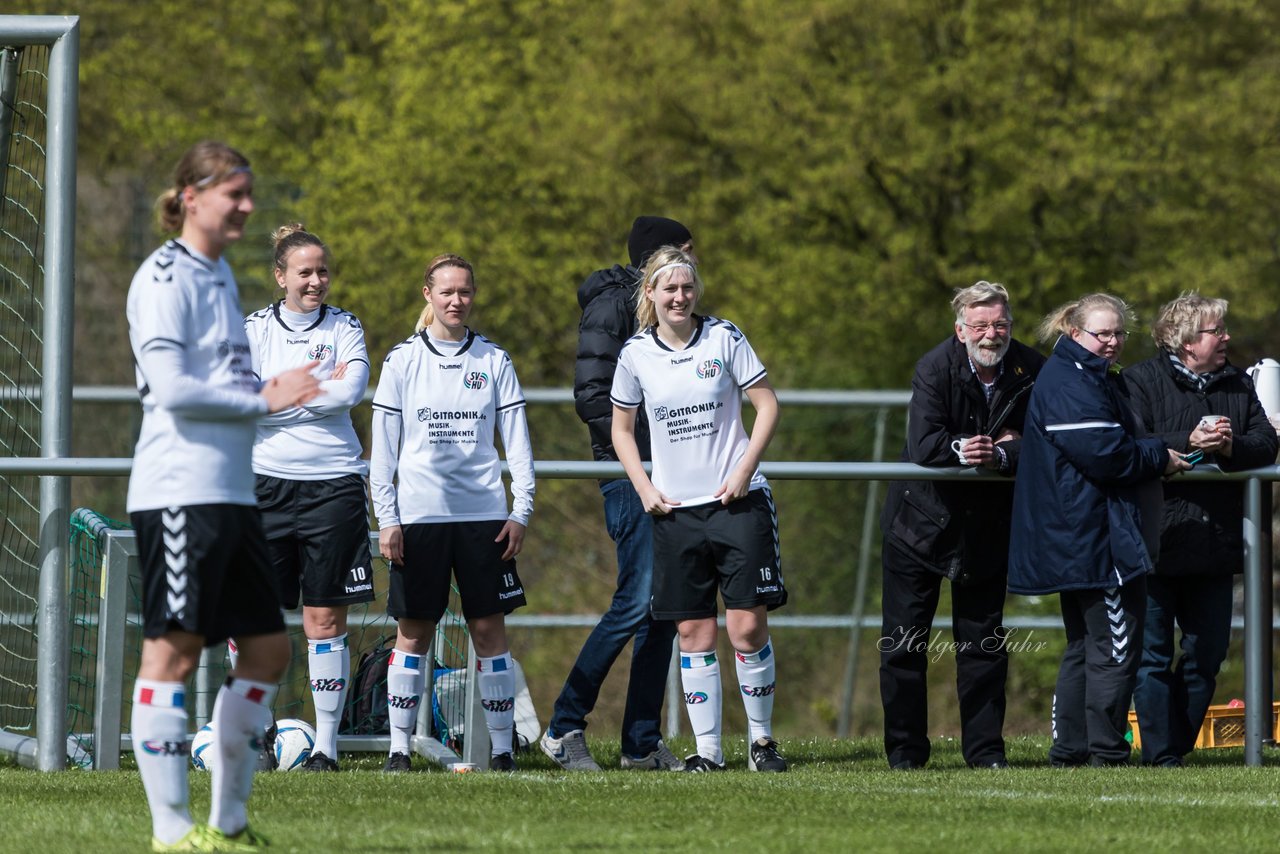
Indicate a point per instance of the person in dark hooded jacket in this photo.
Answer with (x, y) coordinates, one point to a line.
(973, 387)
(1193, 398)
(1084, 511)
(608, 305)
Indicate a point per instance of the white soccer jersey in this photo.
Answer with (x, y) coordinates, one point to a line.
(316, 441)
(435, 412)
(199, 394)
(693, 398)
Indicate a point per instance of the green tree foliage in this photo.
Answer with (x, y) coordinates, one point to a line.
(843, 165)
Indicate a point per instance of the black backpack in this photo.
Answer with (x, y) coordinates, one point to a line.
(365, 712)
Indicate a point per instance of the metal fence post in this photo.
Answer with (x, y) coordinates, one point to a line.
(1257, 627)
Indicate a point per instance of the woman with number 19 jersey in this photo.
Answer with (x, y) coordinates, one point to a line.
(442, 394)
(448, 400)
(715, 527)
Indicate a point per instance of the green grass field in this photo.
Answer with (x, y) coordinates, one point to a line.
(838, 797)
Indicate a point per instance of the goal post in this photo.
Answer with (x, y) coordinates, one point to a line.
(37, 257)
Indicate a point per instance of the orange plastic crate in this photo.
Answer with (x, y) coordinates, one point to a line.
(1223, 727)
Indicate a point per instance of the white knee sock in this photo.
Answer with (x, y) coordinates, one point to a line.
(406, 680)
(498, 699)
(159, 726)
(241, 715)
(329, 665)
(756, 682)
(700, 676)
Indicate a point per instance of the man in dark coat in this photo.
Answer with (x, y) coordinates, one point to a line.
(968, 399)
(608, 305)
(1193, 398)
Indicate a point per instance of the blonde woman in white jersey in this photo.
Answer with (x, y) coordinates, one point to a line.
(436, 481)
(715, 528)
(205, 571)
(310, 475)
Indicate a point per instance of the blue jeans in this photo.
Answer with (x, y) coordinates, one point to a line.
(632, 532)
(1171, 699)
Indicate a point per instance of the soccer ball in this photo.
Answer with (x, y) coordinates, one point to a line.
(294, 740)
(203, 754)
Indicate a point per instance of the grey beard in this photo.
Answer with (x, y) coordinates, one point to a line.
(987, 358)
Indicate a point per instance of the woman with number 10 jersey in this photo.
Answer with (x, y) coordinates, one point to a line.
(436, 481)
(309, 474)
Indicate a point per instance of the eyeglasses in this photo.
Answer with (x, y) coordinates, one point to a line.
(1218, 331)
(1107, 337)
(1001, 327)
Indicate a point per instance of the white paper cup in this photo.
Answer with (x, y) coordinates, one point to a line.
(464, 767)
(1210, 422)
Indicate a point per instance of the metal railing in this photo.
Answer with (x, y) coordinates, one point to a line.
(1258, 613)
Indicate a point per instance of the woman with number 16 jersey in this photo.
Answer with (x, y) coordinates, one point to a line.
(309, 474)
(437, 491)
(715, 528)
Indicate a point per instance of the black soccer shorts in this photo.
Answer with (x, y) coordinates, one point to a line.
(318, 537)
(205, 570)
(487, 584)
(709, 548)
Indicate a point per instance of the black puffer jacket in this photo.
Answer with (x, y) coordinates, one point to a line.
(961, 530)
(608, 305)
(1200, 528)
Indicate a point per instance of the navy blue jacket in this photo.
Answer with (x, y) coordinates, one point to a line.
(1201, 530)
(1079, 501)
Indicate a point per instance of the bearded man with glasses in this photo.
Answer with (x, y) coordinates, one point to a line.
(968, 400)
(1191, 396)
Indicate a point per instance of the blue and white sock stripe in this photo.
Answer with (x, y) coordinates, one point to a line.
(759, 656)
(403, 659)
(337, 644)
(694, 660)
(496, 664)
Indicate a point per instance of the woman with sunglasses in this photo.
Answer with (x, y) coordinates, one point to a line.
(1086, 511)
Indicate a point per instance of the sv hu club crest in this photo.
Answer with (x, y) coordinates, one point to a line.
(476, 380)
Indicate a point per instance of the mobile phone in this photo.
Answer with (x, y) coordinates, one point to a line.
(1194, 457)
